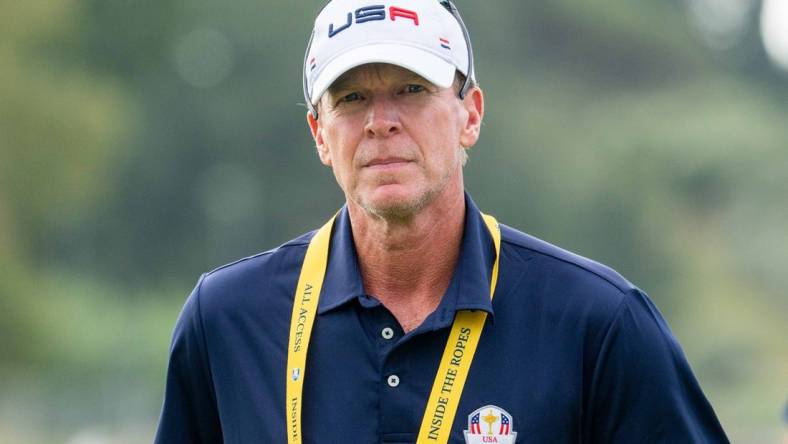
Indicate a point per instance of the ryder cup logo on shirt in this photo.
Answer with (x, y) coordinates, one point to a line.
(490, 424)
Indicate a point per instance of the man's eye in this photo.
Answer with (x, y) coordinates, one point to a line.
(414, 88)
(352, 97)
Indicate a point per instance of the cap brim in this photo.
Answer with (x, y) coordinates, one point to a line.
(424, 63)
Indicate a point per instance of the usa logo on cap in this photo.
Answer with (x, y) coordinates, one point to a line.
(490, 424)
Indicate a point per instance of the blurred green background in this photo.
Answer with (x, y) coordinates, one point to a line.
(143, 143)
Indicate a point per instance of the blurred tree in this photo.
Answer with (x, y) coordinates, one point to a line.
(57, 121)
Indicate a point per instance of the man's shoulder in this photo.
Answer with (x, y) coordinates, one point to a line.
(574, 293)
(569, 273)
(253, 277)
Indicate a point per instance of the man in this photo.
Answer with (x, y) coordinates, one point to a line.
(410, 316)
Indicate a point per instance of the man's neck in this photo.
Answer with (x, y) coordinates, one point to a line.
(408, 263)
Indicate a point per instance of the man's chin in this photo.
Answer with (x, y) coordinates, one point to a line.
(392, 205)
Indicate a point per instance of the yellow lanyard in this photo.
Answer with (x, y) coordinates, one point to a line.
(452, 371)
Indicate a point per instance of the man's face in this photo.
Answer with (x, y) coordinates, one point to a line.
(393, 139)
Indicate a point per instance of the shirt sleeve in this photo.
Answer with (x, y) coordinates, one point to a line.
(189, 413)
(643, 389)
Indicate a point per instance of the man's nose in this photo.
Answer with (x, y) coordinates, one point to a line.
(382, 118)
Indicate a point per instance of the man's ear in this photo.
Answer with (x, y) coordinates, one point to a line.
(316, 127)
(473, 102)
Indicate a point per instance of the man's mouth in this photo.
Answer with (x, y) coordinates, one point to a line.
(387, 162)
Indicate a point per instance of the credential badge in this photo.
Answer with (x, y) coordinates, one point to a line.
(490, 424)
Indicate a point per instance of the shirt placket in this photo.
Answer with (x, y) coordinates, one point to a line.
(407, 365)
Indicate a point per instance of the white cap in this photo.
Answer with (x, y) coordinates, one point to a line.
(419, 35)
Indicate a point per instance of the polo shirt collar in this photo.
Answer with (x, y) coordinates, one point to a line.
(342, 282)
(470, 284)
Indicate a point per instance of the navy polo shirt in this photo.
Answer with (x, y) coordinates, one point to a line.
(571, 350)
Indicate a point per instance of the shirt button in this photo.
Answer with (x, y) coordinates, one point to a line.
(393, 381)
(387, 333)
